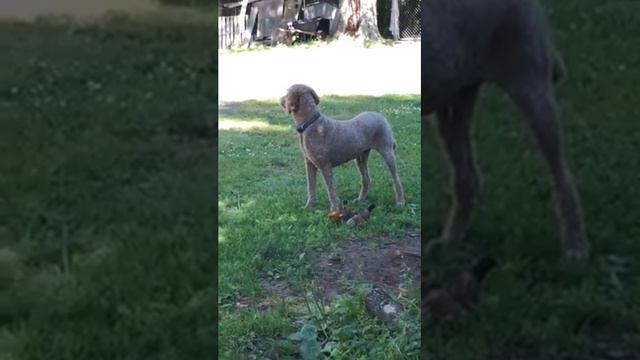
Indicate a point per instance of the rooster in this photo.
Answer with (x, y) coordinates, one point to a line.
(361, 217)
(344, 214)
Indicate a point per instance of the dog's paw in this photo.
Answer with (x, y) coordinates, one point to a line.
(577, 252)
(575, 244)
(309, 205)
(337, 207)
(438, 244)
(435, 244)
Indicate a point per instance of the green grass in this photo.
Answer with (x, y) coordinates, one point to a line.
(537, 305)
(265, 232)
(107, 174)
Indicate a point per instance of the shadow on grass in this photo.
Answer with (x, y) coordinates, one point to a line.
(337, 107)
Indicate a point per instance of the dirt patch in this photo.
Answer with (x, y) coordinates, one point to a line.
(276, 286)
(385, 262)
(278, 291)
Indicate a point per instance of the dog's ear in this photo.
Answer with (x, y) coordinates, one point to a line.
(315, 97)
(283, 104)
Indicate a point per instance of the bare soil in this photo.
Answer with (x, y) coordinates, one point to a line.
(383, 261)
(386, 262)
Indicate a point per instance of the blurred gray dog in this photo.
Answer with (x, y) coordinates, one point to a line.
(467, 43)
(327, 143)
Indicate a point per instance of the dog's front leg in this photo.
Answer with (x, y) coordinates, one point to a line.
(455, 132)
(312, 172)
(327, 175)
(363, 169)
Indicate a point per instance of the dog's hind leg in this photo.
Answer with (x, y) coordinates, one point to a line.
(363, 170)
(454, 127)
(390, 159)
(535, 98)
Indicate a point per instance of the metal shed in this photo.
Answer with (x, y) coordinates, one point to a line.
(269, 13)
(264, 17)
(326, 9)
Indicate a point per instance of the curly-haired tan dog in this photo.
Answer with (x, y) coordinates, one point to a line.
(327, 143)
(468, 43)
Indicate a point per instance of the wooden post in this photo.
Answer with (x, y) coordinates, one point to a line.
(243, 24)
(394, 23)
(253, 17)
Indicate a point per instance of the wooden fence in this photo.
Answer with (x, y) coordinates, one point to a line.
(229, 32)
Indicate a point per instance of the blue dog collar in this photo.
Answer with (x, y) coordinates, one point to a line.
(302, 127)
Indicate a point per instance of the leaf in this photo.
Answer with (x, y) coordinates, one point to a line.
(295, 336)
(310, 349)
(308, 332)
(330, 347)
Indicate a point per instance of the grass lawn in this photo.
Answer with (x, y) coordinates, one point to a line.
(269, 244)
(108, 181)
(536, 304)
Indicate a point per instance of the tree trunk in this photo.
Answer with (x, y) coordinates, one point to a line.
(348, 14)
(394, 23)
(358, 18)
(369, 21)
